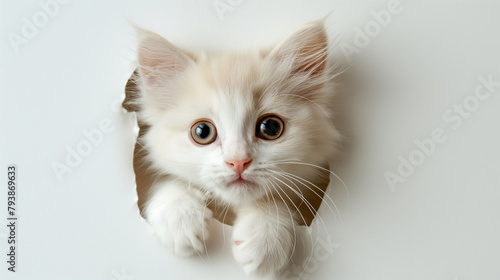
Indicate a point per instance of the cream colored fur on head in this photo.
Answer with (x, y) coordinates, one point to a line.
(233, 90)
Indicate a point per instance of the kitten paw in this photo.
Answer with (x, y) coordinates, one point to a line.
(183, 226)
(262, 247)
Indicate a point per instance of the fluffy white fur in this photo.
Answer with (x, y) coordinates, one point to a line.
(234, 89)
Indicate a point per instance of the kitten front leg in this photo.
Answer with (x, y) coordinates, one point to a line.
(263, 237)
(179, 218)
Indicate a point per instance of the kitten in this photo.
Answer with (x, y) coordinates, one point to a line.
(249, 130)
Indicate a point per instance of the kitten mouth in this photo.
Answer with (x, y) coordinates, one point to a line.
(240, 182)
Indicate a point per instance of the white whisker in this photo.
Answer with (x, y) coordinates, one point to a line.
(302, 180)
(319, 167)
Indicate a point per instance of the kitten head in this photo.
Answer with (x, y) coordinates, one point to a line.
(239, 125)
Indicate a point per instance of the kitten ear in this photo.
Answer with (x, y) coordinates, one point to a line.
(306, 49)
(159, 60)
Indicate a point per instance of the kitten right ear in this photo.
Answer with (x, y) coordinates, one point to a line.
(306, 49)
(159, 60)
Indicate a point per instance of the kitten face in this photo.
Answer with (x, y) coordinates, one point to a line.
(229, 122)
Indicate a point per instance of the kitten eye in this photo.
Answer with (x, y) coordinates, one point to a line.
(203, 132)
(270, 127)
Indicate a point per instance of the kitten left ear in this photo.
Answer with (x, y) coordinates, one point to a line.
(306, 49)
(159, 60)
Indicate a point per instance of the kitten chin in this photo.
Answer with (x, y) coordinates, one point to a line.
(250, 130)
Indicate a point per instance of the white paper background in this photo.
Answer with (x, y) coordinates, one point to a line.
(442, 222)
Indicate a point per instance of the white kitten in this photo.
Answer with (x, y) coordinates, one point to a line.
(247, 129)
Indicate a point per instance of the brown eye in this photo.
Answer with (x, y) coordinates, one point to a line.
(269, 127)
(203, 132)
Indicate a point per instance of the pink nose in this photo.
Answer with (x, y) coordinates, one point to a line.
(239, 165)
